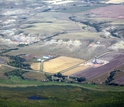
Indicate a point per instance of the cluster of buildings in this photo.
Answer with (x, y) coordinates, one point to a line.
(46, 57)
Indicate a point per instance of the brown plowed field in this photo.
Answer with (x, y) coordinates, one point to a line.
(91, 73)
(113, 11)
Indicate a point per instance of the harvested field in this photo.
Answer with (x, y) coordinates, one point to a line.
(34, 75)
(60, 63)
(113, 11)
(35, 66)
(77, 69)
(91, 73)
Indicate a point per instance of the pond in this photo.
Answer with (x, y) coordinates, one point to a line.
(35, 98)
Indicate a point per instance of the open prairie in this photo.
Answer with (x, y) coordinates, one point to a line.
(60, 63)
(49, 23)
(79, 35)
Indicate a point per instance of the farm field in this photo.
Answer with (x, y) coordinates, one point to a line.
(60, 63)
(114, 62)
(75, 70)
(35, 66)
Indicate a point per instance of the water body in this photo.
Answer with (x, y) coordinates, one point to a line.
(35, 98)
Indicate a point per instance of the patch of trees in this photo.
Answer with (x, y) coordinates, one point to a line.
(16, 72)
(115, 32)
(22, 45)
(61, 78)
(111, 77)
(18, 62)
(27, 26)
(96, 25)
(49, 38)
(46, 10)
(2, 35)
(8, 50)
(81, 79)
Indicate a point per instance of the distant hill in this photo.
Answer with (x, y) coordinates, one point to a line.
(115, 1)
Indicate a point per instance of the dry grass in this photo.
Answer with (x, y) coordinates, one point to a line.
(2, 76)
(58, 26)
(34, 75)
(3, 70)
(101, 78)
(79, 35)
(60, 63)
(118, 75)
(35, 66)
(75, 70)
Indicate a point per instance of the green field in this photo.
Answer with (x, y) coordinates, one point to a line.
(15, 90)
(59, 96)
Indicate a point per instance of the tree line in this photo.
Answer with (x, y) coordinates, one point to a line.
(17, 61)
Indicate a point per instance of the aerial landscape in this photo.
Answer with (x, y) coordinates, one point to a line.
(62, 53)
